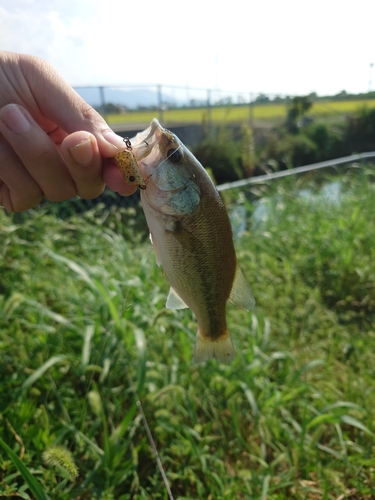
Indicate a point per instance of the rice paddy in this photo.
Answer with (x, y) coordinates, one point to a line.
(261, 113)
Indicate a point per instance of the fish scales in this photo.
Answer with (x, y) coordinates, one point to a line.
(192, 238)
(193, 253)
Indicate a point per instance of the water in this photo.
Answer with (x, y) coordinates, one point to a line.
(330, 194)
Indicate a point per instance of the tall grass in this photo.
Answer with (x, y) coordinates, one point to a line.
(83, 326)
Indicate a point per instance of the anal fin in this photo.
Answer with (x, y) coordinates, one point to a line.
(240, 294)
(174, 301)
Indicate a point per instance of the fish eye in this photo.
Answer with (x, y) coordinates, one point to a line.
(131, 178)
(174, 155)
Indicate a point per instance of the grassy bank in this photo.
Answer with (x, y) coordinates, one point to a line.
(83, 324)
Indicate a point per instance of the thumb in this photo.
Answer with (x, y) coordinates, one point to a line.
(60, 103)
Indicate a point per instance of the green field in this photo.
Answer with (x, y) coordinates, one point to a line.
(83, 324)
(237, 114)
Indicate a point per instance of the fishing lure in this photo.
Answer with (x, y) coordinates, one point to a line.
(129, 167)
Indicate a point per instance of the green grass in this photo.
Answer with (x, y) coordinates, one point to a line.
(238, 114)
(83, 325)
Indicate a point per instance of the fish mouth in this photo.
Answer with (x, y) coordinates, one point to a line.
(150, 146)
(144, 142)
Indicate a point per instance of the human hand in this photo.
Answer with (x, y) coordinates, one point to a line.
(52, 143)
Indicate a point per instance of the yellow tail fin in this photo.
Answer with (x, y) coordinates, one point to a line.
(221, 349)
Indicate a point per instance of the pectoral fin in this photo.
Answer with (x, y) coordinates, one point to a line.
(174, 301)
(157, 256)
(241, 295)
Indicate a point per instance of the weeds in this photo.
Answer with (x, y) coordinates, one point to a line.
(292, 417)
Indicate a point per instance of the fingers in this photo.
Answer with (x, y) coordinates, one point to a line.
(60, 104)
(18, 190)
(87, 168)
(31, 166)
(114, 180)
(46, 113)
(37, 152)
(82, 157)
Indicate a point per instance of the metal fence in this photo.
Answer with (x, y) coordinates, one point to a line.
(166, 96)
(109, 99)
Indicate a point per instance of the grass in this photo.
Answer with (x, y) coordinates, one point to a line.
(238, 114)
(83, 326)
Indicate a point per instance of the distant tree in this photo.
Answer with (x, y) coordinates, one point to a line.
(298, 107)
(111, 108)
(196, 103)
(289, 150)
(262, 99)
(341, 95)
(224, 101)
(298, 150)
(221, 154)
(248, 150)
(359, 134)
(328, 142)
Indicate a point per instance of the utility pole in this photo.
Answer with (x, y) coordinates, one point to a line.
(209, 117)
(102, 103)
(251, 110)
(370, 77)
(160, 104)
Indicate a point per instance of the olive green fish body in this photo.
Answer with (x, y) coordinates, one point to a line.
(192, 238)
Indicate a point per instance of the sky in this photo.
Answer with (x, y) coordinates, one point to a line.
(280, 47)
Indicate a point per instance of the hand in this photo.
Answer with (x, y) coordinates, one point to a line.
(52, 143)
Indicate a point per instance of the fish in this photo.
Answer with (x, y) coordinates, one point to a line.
(191, 234)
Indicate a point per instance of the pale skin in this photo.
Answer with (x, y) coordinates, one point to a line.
(53, 145)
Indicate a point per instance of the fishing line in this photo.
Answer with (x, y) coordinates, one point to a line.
(139, 407)
(174, 150)
(146, 426)
(153, 446)
(161, 163)
(137, 399)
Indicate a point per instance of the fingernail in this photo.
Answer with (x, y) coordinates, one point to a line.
(82, 153)
(114, 139)
(15, 120)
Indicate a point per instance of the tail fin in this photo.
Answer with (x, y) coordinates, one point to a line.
(221, 349)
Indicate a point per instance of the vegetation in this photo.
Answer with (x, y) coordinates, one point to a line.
(220, 154)
(261, 113)
(233, 153)
(291, 418)
(301, 140)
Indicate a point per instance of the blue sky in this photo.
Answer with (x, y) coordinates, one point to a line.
(287, 47)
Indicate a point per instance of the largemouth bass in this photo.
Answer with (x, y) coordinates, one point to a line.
(192, 238)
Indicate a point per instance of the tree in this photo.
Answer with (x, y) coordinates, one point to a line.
(262, 99)
(298, 107)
